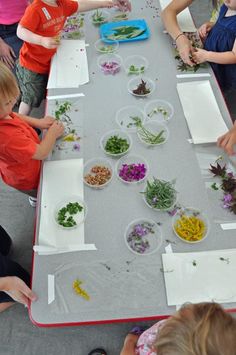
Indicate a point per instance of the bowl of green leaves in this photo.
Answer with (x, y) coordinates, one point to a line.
(141, 86)
(135, 64)
(160, 195)
(106, 48)
(70, 213)
(99, 17)
(153, 133)
(159, 110)
(116, 143)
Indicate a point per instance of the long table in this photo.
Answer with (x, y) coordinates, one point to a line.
(127, 287)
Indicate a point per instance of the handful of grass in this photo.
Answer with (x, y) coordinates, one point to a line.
(160, 194)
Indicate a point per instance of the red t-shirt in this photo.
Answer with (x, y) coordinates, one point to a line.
(47, 21)
(18, 143)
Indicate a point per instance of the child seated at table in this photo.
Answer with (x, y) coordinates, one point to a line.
(21, 150)
(40, 29)
(196, 329)
(220, 51)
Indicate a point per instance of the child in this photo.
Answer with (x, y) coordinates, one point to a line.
(206, 27)
(21, 151)
(196, 329)
(220, 51)
(228, 140)
(40, 30)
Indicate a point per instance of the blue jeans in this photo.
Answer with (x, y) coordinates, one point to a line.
(8, 34)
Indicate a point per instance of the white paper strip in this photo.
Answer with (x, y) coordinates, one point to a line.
(201, 111)
(51, 288)
(60, 97)
(62, 179)
(189, 76)
(185, 20)
(200, 277)
(45, 250)
(168, 249)
(228, 226)
(69, 66)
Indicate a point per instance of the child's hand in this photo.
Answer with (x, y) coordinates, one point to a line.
(57, 128)
(205, 29)
(46, 122)
(228, 140)
(49, 42)
(200, 55)
(123, 5)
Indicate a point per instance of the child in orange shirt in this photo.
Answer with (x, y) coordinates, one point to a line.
(21, 150)
(39, 28)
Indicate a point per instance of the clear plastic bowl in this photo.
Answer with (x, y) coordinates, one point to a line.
(154, 240)
(159, 110)
(139, 62)
(189, 211)
(135, 82)
(79, 217)
(101, 162)
(155, 128)
(124, 117)
(121, 16)
(109, 59)
(131, 159)
(119, 134)
(105, 14)
(106, 48)
(170, 208)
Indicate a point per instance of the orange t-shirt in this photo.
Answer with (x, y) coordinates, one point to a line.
(18, 143)
(47, 21)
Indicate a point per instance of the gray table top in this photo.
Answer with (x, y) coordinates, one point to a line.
(128, 286)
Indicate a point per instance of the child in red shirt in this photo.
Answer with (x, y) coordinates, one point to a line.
(21, 150)
(40, 28)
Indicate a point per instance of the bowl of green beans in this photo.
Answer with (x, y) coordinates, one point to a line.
(153, 133)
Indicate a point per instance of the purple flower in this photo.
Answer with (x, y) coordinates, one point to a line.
(230, 174)
(76, 147)
(227, 198)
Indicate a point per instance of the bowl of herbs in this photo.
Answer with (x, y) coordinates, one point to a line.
(141, 86)
(116, 143)
(106, 48)
(152, 133)
(159, 110)
(99, 17)
(135, 64)
(129, 118)
(70, 213)
(143, 236)
(160, 195)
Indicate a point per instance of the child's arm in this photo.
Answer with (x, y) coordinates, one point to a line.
(86, 5)
(129, 344)
(30, 37)
(17, 289)
(41, 123)
(201, 56)
(228, 140)
(45, 147)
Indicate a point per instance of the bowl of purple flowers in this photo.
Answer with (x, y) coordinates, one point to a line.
(143, 236)
(132, 169)
(109, 63)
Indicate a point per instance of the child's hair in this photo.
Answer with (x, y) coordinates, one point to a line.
(215, 4)
(198, 329)
(8, 84)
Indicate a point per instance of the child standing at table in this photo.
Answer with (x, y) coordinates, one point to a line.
(196, 329)
(21, 150)
(40, 30)
(220, 51)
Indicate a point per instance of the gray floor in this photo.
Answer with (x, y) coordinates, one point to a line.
(18, 335)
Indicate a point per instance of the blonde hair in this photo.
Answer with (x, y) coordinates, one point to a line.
(8, 84)
(198, 329)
